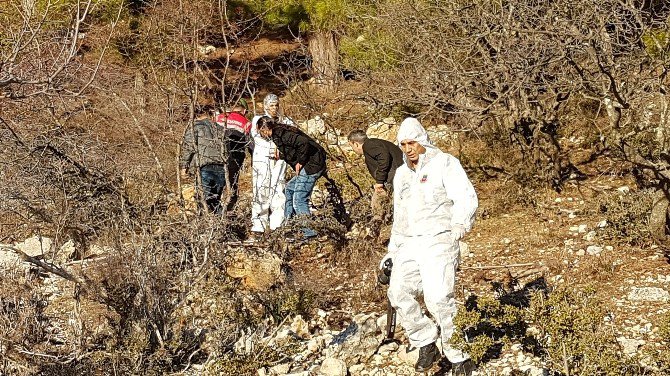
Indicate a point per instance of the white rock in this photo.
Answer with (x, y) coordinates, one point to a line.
(66, 250)
(356, 368)
(301, 373)
(280, 369)
(300, 327)
(333, 367)
(594, 250)
(386, 129)
(648, 294)
(406, 357)
(580, 252)
(525, 368)
(388, 348)
(623, 189)
(630, 346)
(590, 236)
(262, 372)
(9, 260)
(316, 344)
(602, 224)
(582, 228)
(381, 324)
(34, 246)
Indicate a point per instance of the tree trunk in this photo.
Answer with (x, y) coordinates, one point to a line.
(322, 47)
(28, 8)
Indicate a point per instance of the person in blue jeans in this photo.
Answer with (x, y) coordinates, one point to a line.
(213, 180)
(203, 151)
(305, 156)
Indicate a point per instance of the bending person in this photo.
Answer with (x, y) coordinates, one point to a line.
(382, 159)
(306, 157)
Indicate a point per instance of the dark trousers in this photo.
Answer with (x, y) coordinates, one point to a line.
(235, 162)
(213, 180)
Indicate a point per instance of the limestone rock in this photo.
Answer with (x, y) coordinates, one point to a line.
(648, 294)
(630, 346)
(386, 129)
(333, 367)
(35, 246)
(318, 128)
(9, 260)
(594, 250)
(408, 357)
(280, 369)
(258, 272)
(357, 342)
(299, 327)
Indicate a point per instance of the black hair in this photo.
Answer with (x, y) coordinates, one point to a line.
(272, 124)
(357, 136)
(265, 121)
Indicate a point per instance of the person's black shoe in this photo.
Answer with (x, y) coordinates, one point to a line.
(428, 355)
(463, 368)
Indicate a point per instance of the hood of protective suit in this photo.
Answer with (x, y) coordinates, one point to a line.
(411, 129)
(269, 99)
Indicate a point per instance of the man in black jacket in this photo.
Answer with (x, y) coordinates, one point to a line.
(305, 156)
(382, 159)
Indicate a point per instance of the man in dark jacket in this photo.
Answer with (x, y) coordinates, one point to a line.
(382, 159)
(204, 150)
(305, 156)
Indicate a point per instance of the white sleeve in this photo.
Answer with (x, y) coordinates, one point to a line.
(254, 125)
(397, 213)
(287, 121)
(461, 192)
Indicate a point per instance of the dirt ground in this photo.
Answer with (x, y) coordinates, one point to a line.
(547, 242)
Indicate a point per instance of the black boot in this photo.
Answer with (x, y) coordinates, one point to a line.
(428, 355)
(463, 368)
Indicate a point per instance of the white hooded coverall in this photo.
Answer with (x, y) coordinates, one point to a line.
(267, 207)
(429, 200)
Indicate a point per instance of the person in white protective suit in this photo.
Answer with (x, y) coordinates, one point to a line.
(434, 206)
(267, 208)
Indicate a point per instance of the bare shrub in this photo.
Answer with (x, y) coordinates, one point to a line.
(627, 216)
(526, 73)
(573, 336)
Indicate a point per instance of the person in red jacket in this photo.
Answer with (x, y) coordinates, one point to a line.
(237, 128)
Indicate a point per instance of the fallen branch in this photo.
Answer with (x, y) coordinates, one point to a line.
(88, 259)
(496, 266)
(48, 267)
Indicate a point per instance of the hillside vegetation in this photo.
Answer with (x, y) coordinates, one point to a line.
(558, 111)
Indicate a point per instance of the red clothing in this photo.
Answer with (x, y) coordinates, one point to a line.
(236, 121)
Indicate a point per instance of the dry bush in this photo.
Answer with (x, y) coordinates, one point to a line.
(522, 75)
(23, 324)
(564, 328)
(88, 152)
(627, 216)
